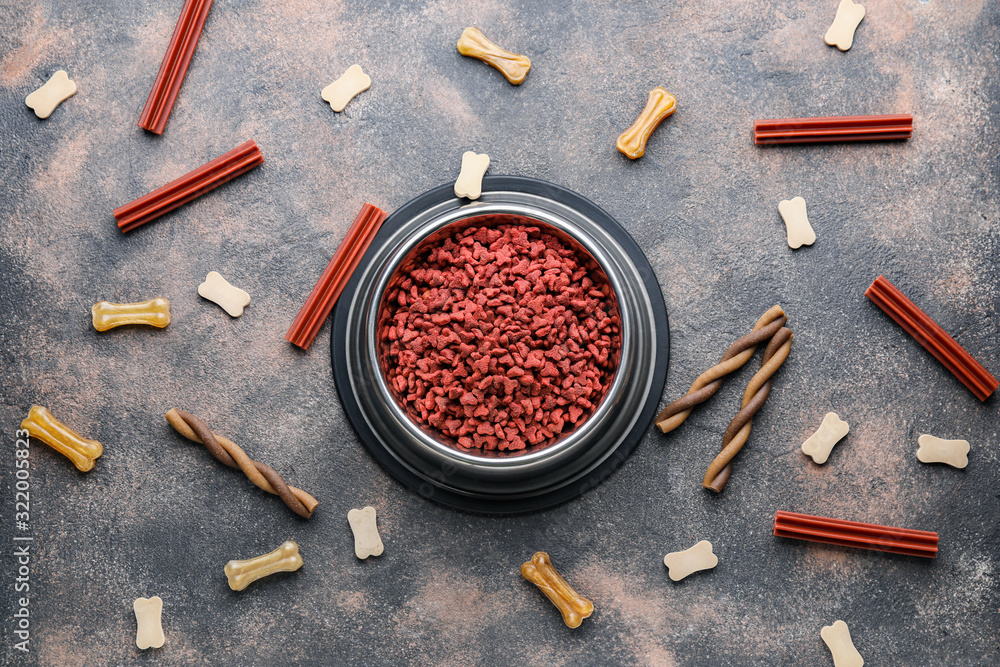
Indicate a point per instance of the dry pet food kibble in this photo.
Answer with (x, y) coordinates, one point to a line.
(344, 89)
(841, 33)
(216, 289)
(797, 227)
(514, 67)
(937, 450)
(683, 563)
(155, 313)
(819, 445)
(838, 640)
(41, 424)
(148, 630)
(45, 100)
(242, 573)
(659, 105)
(573, 606)
(366, 538)
(470, 181)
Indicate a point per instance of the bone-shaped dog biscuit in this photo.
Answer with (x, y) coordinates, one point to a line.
(838, 640)
(659, 105)
(830, 432)
(45, 100)
(242, 573)
(573, 606)
(513, 66)
(683, 563)
(800, 232)
(344, 89)
(155, 313)
(366, 538)
(148, 631)
(232, 299)
(841, 33)
(470, 181)
(41, 424)
(938, 450)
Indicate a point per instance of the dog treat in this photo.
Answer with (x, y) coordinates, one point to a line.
(216, 289)
(470, 182)
(573, 606)
(41, 424)
(838, 639)
(756, 393)
(229, 453)
(513, 66)
(45, 100)
(344, 89)
(934, 339)
(155, 313)
(936, 450)
(366, 539)
(819, 445)
(659, 105)
(680, 564)
(189, 186)
(841, 32)
(174, 66)
(832, 128)
(329, 286)
(855, 534)
(733, 359)
(800, 232)
(242, 573)
(148, 630)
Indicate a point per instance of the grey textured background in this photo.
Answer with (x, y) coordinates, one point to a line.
(158, 516)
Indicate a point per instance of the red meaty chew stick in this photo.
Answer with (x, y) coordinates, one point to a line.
(935, 339)
(855, 534)
(174, 66)
(832, 128)
(189, 186)
(320, 302)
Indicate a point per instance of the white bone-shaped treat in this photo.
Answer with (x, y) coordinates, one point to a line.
(216, 289)
(148, 631)
(470, 182)
(366, 538)
(841, 32)
(683, 563)
(799, 231)
(344, 89)
(830, 432)
(242, 573)
(45, 100)
(938, 450)
(838, 640)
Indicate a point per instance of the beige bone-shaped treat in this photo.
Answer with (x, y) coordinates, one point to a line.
(513, 66)
(217, 289)
(800, 232)
(838, 640)
(45, 100)
(659, 105)
(242, 573)
(155, 313)
(683, 563)
(938, 450)
(41, 424)
(148, 631)
(841, 32)
(819, 445)
(469, 183)
(366, 538)
(344, 89)
(573, 606)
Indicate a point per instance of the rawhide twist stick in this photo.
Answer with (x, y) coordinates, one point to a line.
(756, 393)
(229, 452)
(709, 382)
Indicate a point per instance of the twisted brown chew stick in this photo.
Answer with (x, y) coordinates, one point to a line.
(709, 382)
(230, 453)
(753, 400)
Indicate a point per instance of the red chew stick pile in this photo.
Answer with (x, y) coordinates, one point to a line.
(855, 534)
(335, 277)
(932, 337)
(832, 128)
(189, 186)
(174, 66)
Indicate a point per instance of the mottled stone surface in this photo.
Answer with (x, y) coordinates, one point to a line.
(157, 516)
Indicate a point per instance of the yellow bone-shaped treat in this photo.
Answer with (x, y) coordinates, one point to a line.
(242, 573)
(148, 624)
(45, 100)
(41, 424)
(513, 66)
(155, 313)
(573, 606)
(660, 105)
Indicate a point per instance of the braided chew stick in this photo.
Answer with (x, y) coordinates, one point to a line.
(709, 382)
(230, 453)
(756, 393)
